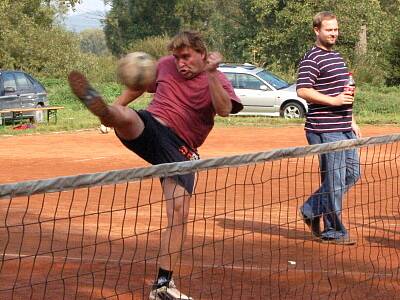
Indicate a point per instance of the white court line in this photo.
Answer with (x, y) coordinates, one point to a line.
(208, 266)
(89, 159)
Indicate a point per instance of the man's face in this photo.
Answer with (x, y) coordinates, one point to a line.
(328, 33)
(189, 62)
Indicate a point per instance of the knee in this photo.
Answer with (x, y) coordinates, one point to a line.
(179, 211)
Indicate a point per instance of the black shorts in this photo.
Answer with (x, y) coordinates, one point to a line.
(158, 144)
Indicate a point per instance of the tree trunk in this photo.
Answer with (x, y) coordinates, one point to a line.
(361, 46)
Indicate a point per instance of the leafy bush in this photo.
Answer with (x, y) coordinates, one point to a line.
(368, 71)
(155, 46)
(393, 77)
(98, 68)
(93, 41)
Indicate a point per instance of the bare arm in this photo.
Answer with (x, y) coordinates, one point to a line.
(316, 97)
(346, 97)
(221, 101)
(127, 96)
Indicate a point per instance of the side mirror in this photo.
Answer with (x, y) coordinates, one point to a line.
(9, 89)
(264, 87)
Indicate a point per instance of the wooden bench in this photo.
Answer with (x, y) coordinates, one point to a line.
(18, 113)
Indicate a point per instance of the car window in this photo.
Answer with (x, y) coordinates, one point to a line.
(22, 82)
(273, 80)
(38, 86)
(9, 80)
(250, 82)
(232, 78)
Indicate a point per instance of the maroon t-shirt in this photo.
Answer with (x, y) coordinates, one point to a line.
(185, 104)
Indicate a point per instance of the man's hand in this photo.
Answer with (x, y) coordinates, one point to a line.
(213, 61)
(356, 129)
(345, 97)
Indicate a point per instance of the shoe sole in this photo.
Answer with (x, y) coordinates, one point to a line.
(339, 242)
(89, 97)
(165, 293)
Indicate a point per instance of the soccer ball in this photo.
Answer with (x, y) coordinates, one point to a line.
(136, 70)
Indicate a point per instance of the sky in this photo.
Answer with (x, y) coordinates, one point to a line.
(88, 6)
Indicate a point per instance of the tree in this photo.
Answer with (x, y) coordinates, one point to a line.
(270, 33)
(130, 20)
(280, 31)
(393, 76)
(93, 41)
(30, 40)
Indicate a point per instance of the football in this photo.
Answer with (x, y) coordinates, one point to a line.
(136, 70)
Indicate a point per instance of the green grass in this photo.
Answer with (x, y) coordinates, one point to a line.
(373, 105)
(256, 121)
(377, 105)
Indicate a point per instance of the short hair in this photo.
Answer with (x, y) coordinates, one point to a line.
(322, 16)
(188, 38)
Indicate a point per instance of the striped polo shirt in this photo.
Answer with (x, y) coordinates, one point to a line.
(326, 72)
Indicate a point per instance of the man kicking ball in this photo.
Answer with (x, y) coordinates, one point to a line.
(189, 92)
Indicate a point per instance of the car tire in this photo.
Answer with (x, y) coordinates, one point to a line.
(39, 115)
(293, 110)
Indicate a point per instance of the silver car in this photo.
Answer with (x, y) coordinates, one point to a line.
(263, 93)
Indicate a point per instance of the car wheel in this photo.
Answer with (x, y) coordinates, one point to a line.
(292, 110)
(38, 116)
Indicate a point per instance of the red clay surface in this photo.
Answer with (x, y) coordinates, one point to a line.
(62, 154)
(244, 244)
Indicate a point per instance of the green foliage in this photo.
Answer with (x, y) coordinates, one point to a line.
(98, 68)
(196, 14)
(155, 46)
(93, 41)
(133, 20)
(377, 105)
(393, 76)
(30, 41)
(283, 32)
(270, 33)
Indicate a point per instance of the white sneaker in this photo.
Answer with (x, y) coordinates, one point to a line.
(168, 293)
(104, 129)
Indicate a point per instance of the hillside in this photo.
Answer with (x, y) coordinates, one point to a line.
(79, 22)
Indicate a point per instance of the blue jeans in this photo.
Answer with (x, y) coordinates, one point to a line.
(339, 171)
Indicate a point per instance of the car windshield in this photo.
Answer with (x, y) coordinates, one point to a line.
(273, 80)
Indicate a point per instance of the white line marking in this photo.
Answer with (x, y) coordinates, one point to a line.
(89, 159)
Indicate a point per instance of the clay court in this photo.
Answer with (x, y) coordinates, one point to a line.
(245, 241)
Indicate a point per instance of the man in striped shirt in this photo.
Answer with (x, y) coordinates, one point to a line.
(322, 78)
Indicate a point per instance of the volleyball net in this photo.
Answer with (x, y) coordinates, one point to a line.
(98, 236)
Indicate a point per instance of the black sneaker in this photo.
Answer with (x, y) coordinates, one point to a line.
(313, 224)
(87, 94)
